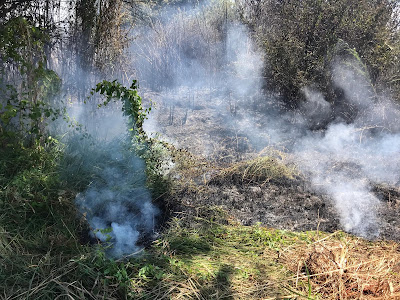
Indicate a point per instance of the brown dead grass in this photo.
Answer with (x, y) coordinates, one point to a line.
(260, 170)
(348, 268)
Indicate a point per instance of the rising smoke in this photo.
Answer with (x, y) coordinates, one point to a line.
(117, 204)
(348, 158)
(101, 162)
(344, 148)
(203, 48)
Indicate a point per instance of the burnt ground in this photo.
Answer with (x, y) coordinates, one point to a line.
(278, 205)
(284, 205)
(212, 127)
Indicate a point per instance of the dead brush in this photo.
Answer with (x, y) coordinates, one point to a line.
(261, 170)
(189, 171)
(195, 171)
(349, 268)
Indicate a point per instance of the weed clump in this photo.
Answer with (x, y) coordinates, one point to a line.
(260, 170)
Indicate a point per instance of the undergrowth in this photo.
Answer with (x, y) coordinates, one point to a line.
(45, 254)
(39, 228)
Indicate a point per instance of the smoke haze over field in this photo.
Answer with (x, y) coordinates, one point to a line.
(200, 56)
(343, 155)
(347, 159)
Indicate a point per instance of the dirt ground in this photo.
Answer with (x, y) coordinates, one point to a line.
(216, 128)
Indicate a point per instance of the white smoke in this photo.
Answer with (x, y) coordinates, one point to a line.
(345, 148)
(347, 159)
(116, 203)
(331, 160)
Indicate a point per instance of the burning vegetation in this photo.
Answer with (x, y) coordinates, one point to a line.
(258, 158)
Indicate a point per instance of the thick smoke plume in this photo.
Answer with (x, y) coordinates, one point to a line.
(116, 203)
(352, 155)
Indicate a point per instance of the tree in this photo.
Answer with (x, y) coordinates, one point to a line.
(26, 85)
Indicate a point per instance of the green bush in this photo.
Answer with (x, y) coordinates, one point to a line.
(27, 87)
(299, 38)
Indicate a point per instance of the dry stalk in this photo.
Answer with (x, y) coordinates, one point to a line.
(348, 269)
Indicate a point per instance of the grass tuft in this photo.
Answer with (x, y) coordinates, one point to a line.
(260, 170)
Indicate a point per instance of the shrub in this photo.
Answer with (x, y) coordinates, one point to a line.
(27, 87)
(299, 37)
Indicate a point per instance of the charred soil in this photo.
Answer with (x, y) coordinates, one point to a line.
(214, 130)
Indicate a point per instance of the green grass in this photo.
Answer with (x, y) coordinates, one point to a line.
(39, 228)
(44, 255)
(201, 259)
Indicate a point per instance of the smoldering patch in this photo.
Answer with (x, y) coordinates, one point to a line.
(117, 205)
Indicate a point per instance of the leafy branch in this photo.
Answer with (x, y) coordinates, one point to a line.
(25, 95)
(131, 102)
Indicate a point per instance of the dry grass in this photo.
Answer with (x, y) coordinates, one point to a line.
(189, 171)
(348, 267)
(193, 173)
(211, 261)
(270, 165)
(202, 254)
